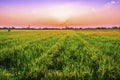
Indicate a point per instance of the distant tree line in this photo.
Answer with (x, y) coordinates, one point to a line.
(65, 28)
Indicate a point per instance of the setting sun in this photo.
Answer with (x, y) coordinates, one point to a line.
(60, 13)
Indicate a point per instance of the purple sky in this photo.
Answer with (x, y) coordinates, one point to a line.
(59, 12)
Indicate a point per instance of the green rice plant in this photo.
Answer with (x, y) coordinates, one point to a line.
(60, 55)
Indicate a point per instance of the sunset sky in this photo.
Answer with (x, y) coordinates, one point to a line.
(59, 12)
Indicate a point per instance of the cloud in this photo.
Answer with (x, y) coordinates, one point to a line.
(113, 2)
(112, 5)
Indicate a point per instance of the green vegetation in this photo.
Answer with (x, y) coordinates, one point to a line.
(60, 55)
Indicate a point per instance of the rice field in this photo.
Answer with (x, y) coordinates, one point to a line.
(60, 55)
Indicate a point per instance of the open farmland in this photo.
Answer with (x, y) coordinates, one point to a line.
(60, 54)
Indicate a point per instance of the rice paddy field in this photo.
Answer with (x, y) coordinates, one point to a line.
(60, 55)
